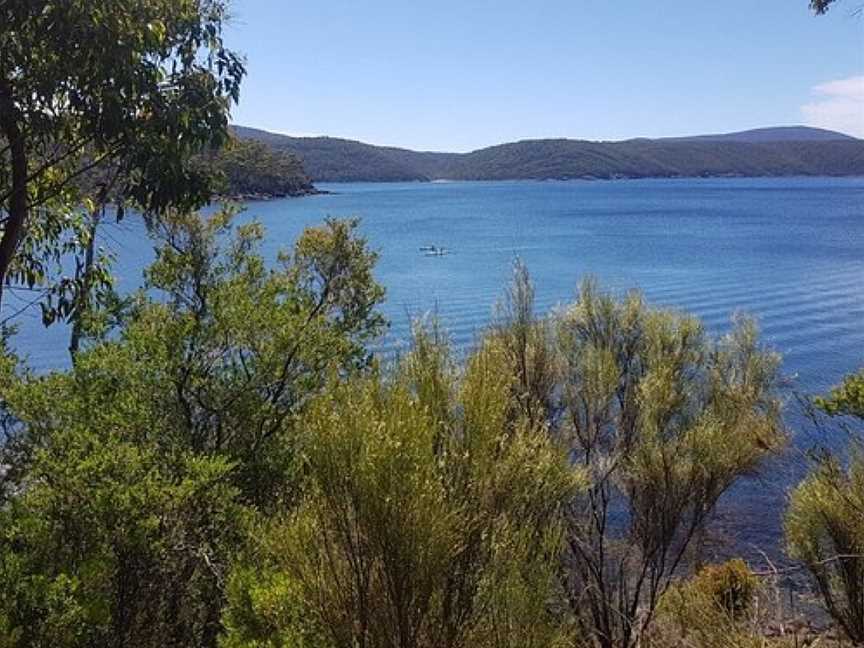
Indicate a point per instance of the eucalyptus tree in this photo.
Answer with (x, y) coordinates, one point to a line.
(119, 93)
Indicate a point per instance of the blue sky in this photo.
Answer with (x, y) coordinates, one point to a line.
(458, 75)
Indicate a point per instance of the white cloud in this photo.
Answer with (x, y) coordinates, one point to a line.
(837, 105)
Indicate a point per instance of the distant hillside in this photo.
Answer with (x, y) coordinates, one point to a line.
(785, 151)
(330, 159)
(775, 134)
(247, 168)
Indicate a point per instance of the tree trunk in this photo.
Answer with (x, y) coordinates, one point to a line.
(17, 209)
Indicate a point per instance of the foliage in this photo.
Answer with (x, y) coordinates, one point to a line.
(432, 518)
(114, 543)
(825, 517)
(131, 481)
(237, 350)
(231, 465)
(847, 399)
(825, 529)
(661, 419)
(729, 586)
(711, 609)
(130, 111)
(527, 341)
(664, 421)
(247, 167)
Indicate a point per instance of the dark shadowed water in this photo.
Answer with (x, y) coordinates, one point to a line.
(789, 251)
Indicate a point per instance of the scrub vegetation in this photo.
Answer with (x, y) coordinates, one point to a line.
(227, 463)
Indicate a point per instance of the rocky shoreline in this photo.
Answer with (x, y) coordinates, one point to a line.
(245, 197)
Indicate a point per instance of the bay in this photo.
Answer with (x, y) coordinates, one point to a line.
(789, 251)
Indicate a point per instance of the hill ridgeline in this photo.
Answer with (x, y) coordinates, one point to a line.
(764, 152)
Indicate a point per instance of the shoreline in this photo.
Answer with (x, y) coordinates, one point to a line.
(444, 181)
(254, 196)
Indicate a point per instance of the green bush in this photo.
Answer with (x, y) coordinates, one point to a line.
(132, 480)
(825, 518)
(847, 399)
(710, 610)
(431, 518)
(665, 420)
(825, 530)
(730, 585)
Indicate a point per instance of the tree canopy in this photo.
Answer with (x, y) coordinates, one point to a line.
(252, 168)
(130, 484)
(128, 90)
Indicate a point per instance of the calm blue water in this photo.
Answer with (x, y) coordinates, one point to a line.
(789, 251)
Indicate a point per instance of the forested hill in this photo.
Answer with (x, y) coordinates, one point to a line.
(249, 169)
(786, 151)
(775, 134)
(330, 159)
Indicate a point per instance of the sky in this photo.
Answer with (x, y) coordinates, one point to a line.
(458, 75)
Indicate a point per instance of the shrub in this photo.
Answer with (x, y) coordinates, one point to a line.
(825, 518)
(825, 529)
(731, 586)
(128, 490)
(665, 421)
(432, 518)
(711, 609)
